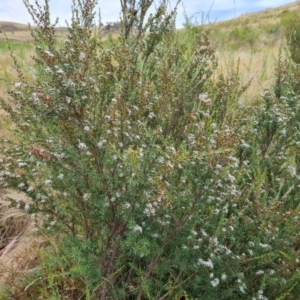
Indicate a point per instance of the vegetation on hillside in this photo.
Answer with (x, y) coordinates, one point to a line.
(142, 169)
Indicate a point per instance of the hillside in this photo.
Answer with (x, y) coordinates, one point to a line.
(254, 29)
(263, 28)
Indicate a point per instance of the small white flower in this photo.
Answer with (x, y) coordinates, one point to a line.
(137, 228)
(223, 277)
(127, 205)
(114, 101)
(215, 282)
(244, 144)
(60, 176)
(18, 84)
(71, 83)
(21, 185)
(82, 146)
(231, 177)
(49, 53)
(151, 115)
(82, 56)
(48, 181)
(160, 159)
(86, 128)
(26, 207)
(207, 263)
(101, 143)
(30, 189)
(169, 164)
(228, 251)
(259, 272)
(265, 246)
(60, 71)
(86, 196)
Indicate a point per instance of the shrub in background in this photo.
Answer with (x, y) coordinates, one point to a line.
(149, 178)
(290, 22)
(244, 35)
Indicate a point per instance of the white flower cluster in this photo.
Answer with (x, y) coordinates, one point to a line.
(207, 263)
(82, 146)
(215, 282)
(150, 209)
(137, 228)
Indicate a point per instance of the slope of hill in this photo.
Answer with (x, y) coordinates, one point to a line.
(262, 27)
(253, 29)
(12, 27)
(14, 31)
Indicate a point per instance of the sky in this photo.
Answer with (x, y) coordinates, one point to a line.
(214, 10)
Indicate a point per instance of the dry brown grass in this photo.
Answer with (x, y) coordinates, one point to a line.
(20, 33)
(18, 246)
(15, 32)
(257, 65)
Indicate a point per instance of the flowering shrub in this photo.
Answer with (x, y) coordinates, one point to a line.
(153, 180)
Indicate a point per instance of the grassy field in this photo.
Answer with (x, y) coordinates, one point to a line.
(248, 45)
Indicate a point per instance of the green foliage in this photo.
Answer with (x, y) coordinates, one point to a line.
(270, 28)
(148, 176)
(243, 35)
(19, 48)
(290, 21)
